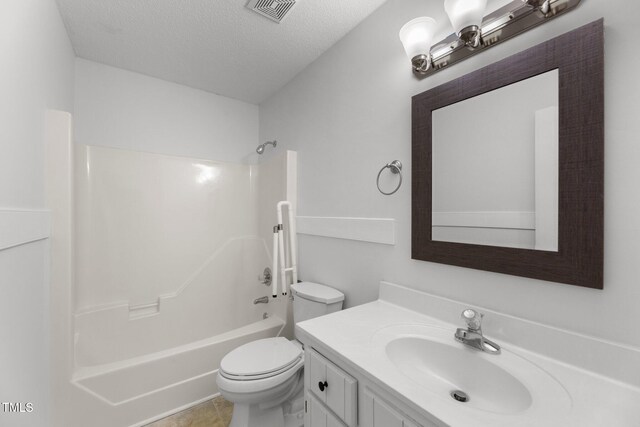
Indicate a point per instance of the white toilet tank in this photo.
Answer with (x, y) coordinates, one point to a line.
(313, 299)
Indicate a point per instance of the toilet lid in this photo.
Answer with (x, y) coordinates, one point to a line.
(261, 357)
(317, 292)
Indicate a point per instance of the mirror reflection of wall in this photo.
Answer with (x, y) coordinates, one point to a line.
(495, 170)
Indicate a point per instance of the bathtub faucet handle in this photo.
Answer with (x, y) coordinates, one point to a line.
(265, 279)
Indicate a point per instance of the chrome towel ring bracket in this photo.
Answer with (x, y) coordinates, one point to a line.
(396, 168)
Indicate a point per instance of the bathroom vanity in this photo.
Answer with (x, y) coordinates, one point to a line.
(395, 363)
(338, 405)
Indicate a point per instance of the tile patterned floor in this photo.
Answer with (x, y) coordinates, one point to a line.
(212, 413)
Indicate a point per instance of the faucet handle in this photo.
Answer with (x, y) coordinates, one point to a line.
(266, 277)
(473, 319)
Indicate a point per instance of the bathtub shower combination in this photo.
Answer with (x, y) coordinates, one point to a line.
(168, 254)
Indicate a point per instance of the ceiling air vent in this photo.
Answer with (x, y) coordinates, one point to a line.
(275, 10)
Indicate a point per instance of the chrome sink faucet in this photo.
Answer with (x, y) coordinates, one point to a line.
(472, 336)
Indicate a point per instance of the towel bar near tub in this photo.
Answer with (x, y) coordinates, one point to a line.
(396, 168)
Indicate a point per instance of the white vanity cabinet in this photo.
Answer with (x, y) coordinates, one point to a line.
(335, 397)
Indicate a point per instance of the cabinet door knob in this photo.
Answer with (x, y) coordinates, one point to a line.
(323, 385)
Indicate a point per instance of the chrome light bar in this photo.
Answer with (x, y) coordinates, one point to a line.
(503, 24)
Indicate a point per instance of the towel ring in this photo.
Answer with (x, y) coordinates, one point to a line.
(396, 168)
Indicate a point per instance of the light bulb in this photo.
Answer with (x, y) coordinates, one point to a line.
(465, 13)
(416, 37)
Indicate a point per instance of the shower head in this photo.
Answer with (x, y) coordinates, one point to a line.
(260, 148)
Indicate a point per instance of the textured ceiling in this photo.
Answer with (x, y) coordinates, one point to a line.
(216, 45)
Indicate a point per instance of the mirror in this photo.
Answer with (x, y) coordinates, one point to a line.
(495, 179)
(508, 164)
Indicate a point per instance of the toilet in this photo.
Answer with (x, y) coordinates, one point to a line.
(264, 378)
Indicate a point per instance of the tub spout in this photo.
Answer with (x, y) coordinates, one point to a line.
(261, 300)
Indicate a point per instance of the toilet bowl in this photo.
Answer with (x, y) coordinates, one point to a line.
(264, 378)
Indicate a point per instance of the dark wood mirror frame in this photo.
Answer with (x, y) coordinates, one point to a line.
(579, 58)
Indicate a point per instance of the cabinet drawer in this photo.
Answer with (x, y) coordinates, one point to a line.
(332, 386)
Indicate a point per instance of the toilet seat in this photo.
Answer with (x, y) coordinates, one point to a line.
(260, 376)
(247, 385)
(263, 359)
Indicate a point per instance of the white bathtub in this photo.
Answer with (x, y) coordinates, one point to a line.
(167, 381)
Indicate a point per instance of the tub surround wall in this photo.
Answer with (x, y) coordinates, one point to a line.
(148, 222)
(168, 248)
(345, 123)
(36, 75)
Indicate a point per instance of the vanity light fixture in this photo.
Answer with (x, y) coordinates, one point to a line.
(466, 18)
(473, 32)
(416, 36)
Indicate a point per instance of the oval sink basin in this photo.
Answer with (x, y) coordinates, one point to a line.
(447, 368)
(503, 384)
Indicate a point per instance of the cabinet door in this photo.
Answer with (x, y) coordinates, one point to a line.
(317, 374)
(333, 421)
(334, 387)
(379, 413)
(335, 393)
(384, 416)
(317, 414)
(320, 416)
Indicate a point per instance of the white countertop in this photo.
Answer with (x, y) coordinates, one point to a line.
(594, 400)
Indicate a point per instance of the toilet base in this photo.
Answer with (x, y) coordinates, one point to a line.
(290, 414)
(294, 412)
(253, 416)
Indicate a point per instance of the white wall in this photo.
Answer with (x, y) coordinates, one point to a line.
(36, 74)
(122, 109)
(349, 113)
